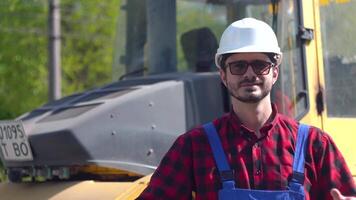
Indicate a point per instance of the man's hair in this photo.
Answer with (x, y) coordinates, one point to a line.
(275, 58)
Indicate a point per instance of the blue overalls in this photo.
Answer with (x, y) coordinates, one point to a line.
(295, 190)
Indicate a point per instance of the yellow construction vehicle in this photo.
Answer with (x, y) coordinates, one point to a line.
(105, 143)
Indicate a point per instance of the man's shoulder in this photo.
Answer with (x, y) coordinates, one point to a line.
(197, 131)
(315, 133)
(293, 123)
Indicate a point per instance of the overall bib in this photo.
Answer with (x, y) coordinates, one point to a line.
(295, 190)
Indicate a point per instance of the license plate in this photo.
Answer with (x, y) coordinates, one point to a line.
(14, 143)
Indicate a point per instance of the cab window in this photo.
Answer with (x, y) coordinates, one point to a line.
(290, 93)
(339, 57)
(167, 36)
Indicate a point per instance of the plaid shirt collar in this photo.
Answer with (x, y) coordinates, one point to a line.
(247, 133)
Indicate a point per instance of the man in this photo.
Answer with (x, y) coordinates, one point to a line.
(255, 152)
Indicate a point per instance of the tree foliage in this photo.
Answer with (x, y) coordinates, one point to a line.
(23, 47)
(88, 31)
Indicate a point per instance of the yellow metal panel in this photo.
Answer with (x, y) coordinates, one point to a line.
(319, 65)
(136, 188)
(342, 1)
(312, 117)
(327, 2)
(324, 2)
(80, 190)
(342, 130)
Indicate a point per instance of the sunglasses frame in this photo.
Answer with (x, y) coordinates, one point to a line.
(264, 71)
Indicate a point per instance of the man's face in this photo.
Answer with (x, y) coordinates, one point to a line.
(249, 87)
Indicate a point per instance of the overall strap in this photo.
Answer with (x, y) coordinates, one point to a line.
(299, 155)
(226, 174)
(299, 158)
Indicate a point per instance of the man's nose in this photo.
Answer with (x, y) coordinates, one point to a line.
(250, 73)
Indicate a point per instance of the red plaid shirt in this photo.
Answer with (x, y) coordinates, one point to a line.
(263, 163)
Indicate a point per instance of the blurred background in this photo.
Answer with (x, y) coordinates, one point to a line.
(87, 41)
(104, 41)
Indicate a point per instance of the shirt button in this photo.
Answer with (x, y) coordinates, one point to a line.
(258, 172)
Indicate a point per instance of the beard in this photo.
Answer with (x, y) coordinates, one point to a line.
(248, 95)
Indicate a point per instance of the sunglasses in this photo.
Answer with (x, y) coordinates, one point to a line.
(240, 67)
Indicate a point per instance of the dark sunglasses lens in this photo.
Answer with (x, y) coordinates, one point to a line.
(261, 67)
(238, 68)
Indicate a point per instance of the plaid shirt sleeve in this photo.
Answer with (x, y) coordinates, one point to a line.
(330, 168)
(173, 178)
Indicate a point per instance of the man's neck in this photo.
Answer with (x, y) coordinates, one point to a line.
(253, 115)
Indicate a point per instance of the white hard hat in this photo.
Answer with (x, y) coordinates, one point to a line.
(247, 35)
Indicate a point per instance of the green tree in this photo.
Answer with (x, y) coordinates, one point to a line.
(88, 31)
(23, 52)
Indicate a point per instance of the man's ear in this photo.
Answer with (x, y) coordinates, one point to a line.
(275, 73)
(223, 76)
